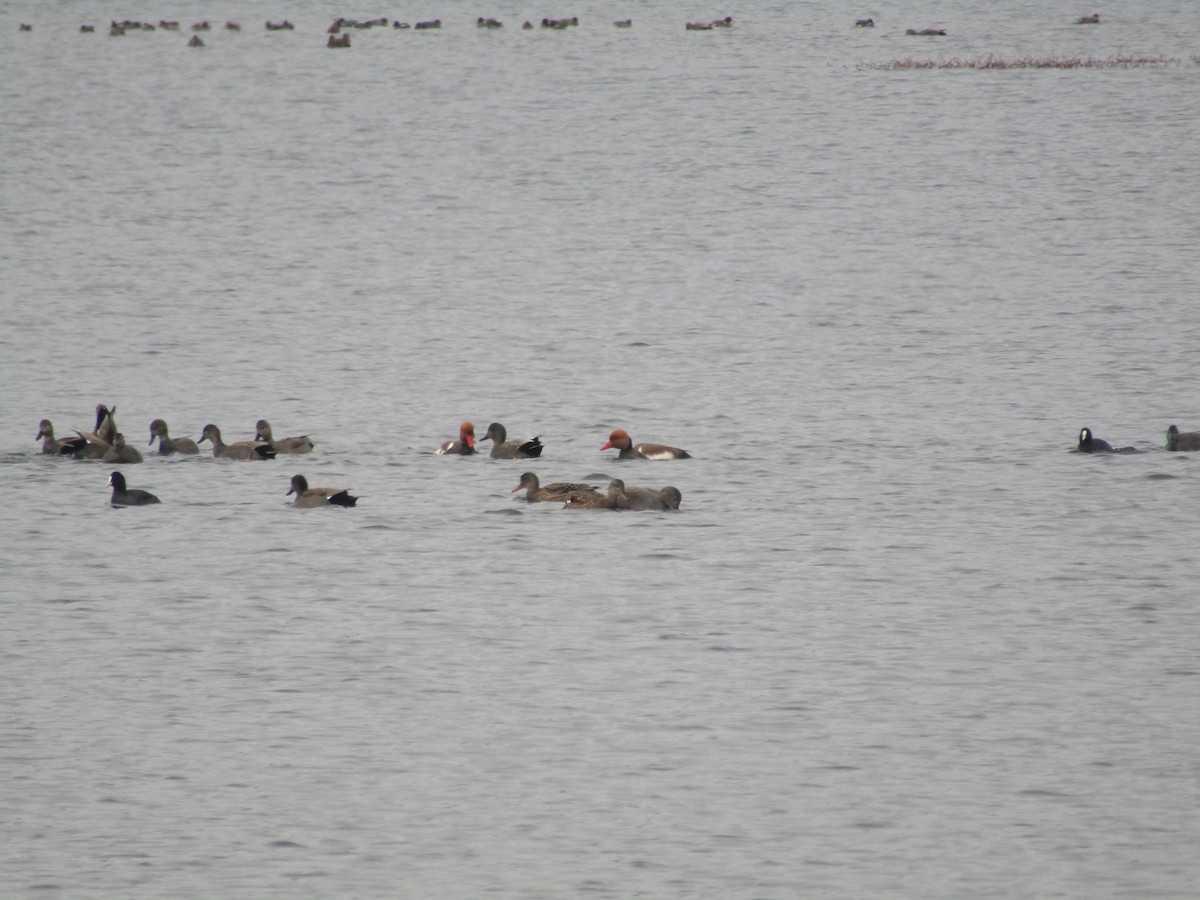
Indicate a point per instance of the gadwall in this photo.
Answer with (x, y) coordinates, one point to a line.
(464, 446)
(621, 440)
(120, 452)
(1176, 439)
(299, 444)
(58, 446)
(594, 500)
(121, 496)
(559, 491)
(649, 498)
(310, 498)
(240, 450)
(506, 449)
(168, 445)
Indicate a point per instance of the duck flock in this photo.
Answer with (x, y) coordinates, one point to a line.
(107, 444)
(341, 27)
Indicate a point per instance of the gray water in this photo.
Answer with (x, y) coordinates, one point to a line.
(899, 641)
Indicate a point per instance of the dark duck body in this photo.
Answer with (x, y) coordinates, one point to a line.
(123, 496)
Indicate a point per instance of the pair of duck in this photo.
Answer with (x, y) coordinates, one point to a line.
(264, 445)
(584, 496)
(502, 447)
(1176, 441)
(104, 442)
(532, 449)
(306, 497)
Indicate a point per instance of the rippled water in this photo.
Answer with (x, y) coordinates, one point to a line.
(898, 641)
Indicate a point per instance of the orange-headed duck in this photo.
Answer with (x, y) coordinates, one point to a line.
(313, 497)
(506, 449)
(464, 446)
(621, 440)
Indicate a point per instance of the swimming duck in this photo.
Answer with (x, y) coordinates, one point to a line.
(559, 491)
(927, 32)
(195, 41)
(1093, 19)
(864, 23)
(505, 449)
(464, 446)
(623, 23)
(1176, 439)
(310, 498)
(240, 450)
(592, 499)
(649, 498)
(338, 41)
(57, 446)
(262, 428)
(120, 452)
(121, 496)
(621, 440)
(168, 445)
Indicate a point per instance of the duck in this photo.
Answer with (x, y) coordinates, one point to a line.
(864, 23)
(698, 26)
(1093, 19)
(481, 22)
(58, 446)
(432, 23)
(240, 450)
(623, 23)
(621, 440)
(559, 491)
(464, 446)
(120, 452)
(122, 496)
(310, 498)
(1179, 440)
(87, 29)
(726, 22)
(232, 26)
(649, 498)
(505, 449)
(262, 428)
(168, 445)
(106, 423)
(592, 499)
(927, 32)
(1089, 443)
(338, 41)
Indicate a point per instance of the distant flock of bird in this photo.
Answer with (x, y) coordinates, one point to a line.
(107, 444)
(1176, 441)
(339, 35)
